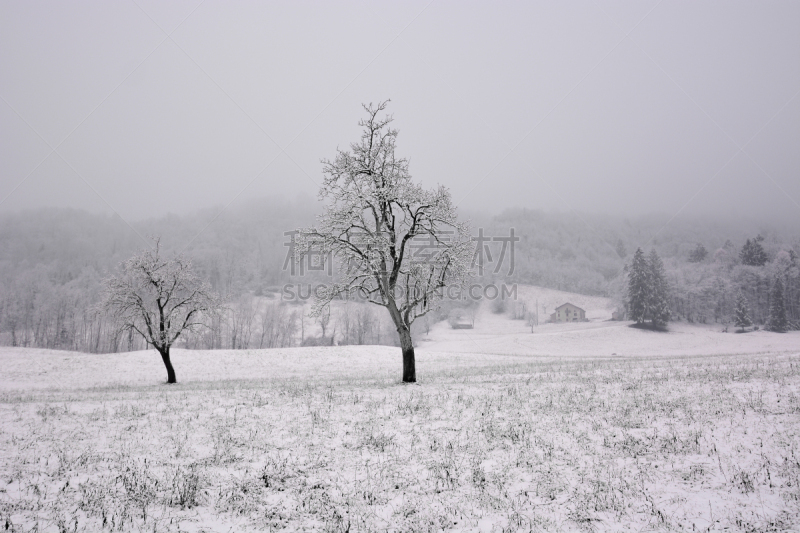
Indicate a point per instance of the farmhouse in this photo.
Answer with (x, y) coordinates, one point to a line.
(568, 313)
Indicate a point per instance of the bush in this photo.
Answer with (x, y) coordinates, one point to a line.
(499, 306)
(318, 341)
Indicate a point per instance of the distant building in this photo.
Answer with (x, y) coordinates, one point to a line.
(460, 321)
(618, 315)
(568, 313)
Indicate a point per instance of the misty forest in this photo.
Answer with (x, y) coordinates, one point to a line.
(54, 262)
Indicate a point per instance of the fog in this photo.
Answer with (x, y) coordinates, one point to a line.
(147, 108)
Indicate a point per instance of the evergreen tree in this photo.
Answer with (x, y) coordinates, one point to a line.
(777, 311)
(658, 297)
(753, 253)
(699, 254)
(620, 249)
(638, 287)
(742, 317)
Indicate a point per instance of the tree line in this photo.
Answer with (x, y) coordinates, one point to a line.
(53, 260)
(758, 285)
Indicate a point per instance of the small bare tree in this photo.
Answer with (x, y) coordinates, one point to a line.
(159, 299)
(346, 324)
(365, 324)
(278, 326)
(374, 212)
(241, 315)
(323, 319)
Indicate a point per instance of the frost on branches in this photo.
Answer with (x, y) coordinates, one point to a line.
(397, 245)
(159, 299)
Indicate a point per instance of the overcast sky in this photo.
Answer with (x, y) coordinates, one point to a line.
(151, 107)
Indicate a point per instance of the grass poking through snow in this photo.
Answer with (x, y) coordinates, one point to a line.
(687, 444)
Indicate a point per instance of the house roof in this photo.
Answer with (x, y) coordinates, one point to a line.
(573, 305)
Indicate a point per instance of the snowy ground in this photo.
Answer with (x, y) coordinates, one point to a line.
(593, 426)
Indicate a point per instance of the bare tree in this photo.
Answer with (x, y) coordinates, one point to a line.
(159, 299)
(278, 326)
(346, 324)
(365, 325)
(323, 319)
(398, 245)
(241, 316)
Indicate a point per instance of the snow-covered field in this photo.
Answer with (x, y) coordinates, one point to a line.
(592, 426)
(495, 334)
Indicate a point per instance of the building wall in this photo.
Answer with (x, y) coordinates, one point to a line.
(569, 313)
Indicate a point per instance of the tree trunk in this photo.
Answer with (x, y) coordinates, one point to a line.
(409, 367)
(167, 363)
(406, 344)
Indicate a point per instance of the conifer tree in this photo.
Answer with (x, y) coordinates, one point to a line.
(699, 254)
(742, 317)
(658, 305)
(620, 249)
(753, 253)
(638, 287)
(777, 311)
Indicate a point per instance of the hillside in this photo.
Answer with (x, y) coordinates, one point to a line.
(53, 263)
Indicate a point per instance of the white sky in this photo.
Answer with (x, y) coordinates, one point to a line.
(621, 107)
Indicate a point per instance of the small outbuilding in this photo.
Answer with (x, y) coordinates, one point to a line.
(461, 320)
(568, 313)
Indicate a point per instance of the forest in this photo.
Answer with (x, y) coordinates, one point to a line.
(53, 263)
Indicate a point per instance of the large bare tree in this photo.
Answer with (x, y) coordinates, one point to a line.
(398, 245)
(159, 299)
